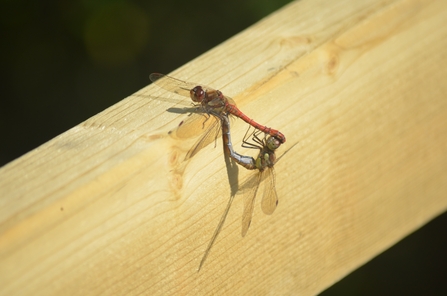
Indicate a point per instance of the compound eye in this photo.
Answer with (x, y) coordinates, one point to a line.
(197, 94)
(273, 143)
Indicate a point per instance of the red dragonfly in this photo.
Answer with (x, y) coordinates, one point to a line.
(265, 174)
(211, 102)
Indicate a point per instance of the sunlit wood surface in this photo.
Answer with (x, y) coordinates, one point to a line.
(110, 207)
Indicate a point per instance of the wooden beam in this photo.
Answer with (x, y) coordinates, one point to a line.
(110, 207)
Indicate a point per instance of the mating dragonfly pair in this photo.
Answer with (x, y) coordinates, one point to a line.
(213, 102)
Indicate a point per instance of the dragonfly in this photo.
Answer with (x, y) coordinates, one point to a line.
(210, 102)
(265, 175)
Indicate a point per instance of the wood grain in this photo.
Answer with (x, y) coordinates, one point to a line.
(110, 207)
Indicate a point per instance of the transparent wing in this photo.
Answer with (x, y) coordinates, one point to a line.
(179, 86)
(174, 85)
(252, 186)
(230, 101)
(196, 124)
(269, 198)
(212, 132)
(192, 126)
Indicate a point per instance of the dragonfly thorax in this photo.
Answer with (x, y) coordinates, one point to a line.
(266, 159)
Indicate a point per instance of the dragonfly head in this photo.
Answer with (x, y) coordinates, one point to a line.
(273, 143)
(197, 94)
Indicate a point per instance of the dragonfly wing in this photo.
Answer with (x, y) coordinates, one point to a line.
(269, 198)
(175, 85)
(230, 101)
(192, 126)
(252, 185)
(172, 84)
(212, 132)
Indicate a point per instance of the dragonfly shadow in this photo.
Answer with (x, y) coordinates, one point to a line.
(232, 173)
(184, 110)
(233, 179)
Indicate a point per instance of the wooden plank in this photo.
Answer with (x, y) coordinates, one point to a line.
(109, 207)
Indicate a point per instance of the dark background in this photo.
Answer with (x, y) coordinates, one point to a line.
(65, 61)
